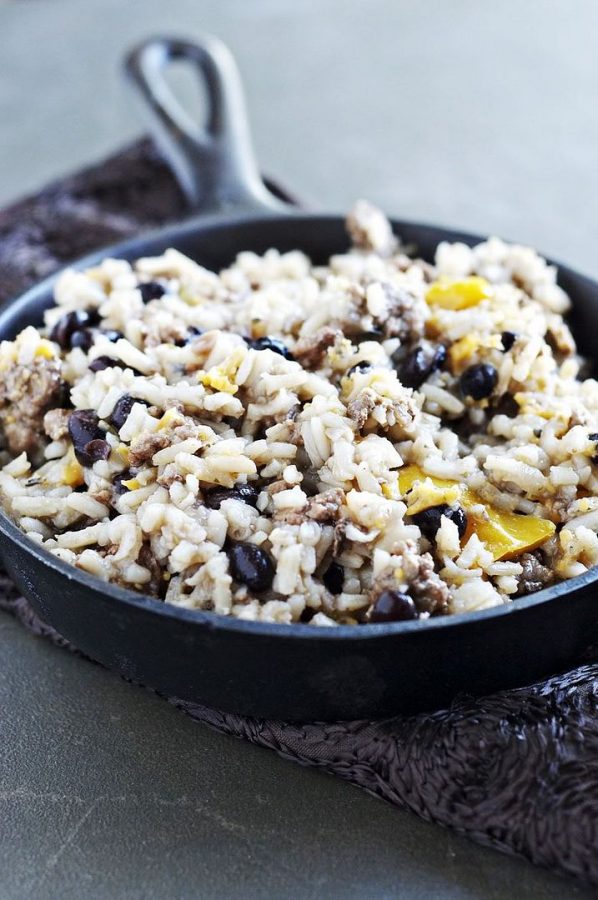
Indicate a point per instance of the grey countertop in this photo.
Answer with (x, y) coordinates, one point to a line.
(476, 115)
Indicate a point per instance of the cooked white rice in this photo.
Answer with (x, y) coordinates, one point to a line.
(424, 444)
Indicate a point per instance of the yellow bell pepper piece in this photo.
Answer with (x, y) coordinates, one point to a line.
(218, 380)
(509, 534)
(73, 471)
(425, 494)
(131, 484)
(172, 417)
(504, 533)
(45, 349)
(410, 474)
(124, 452)
(461, 351)
(458, 294)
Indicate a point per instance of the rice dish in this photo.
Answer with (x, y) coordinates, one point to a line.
(376, 439)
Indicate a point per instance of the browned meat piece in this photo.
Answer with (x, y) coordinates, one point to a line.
(360, 409)
(56, 423)
(310, 351)
(147, 559)
(325, 507)
(559, 337)
(426, 588)
(103, 496)
(294, 435)
(26, 393)
(406, 316)
(535, 575)
(188, 429)
(402, 412)
(339, 536)
(289, 517)
(165, 334)
(277, 486)
(169, 476)
(144, 447)
(370, 229)
(406, 414)
(430, 593)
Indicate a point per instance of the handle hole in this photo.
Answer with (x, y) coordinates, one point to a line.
(189, 96)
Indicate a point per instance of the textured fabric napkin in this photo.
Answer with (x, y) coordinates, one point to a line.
(517, 771)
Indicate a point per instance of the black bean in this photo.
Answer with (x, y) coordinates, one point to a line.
(122, 408)
(375, 334)
(83, 339)
(478, 381)
(508, 338)
(458, 515)
(440, 356)
(307, 615)
(63, 401)
(214, 496)
(270, 343)
(393, 606)
(420, 363)
(65, 327)
(94, 450)
(594, 437)
(192, 333)
(104, 362)
(151, 290)
(87, 437)
(364, 366)
(251, 565)
(334, 578)
(428, 520)
(84, 426)
(506, 405)
(310, 484)
(415, 368)
(117, 482)
(94, 315)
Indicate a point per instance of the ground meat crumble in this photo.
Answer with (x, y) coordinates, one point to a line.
(26, 393)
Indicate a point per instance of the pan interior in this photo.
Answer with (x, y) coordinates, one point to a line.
(214, 243)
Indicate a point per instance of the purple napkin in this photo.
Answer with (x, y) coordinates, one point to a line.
(517, 771)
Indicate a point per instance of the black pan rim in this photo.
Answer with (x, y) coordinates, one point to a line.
(205, 619)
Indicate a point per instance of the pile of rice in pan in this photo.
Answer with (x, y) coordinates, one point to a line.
(377, 439)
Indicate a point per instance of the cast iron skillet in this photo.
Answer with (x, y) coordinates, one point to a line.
(300, 672)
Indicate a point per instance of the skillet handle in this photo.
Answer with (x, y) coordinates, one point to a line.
(214, 164)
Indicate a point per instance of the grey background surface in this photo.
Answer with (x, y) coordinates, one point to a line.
(480, 115)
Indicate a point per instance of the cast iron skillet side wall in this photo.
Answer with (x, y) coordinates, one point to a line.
(301, 672)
